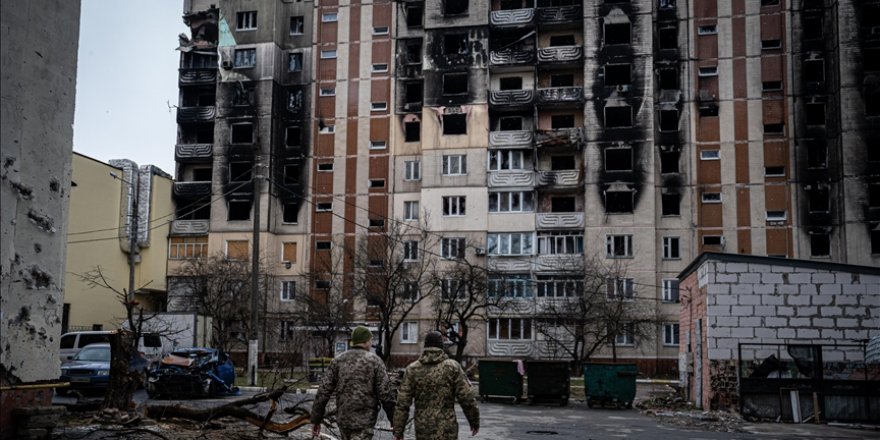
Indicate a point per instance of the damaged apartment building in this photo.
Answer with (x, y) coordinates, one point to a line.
(530, 135)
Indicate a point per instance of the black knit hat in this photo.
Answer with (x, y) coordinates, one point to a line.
(434, 339)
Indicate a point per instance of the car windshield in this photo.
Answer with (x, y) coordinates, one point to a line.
(94, 354)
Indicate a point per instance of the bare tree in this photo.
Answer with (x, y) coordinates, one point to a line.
(391, 274)
(219, 288)
(466, 293)
(582, 308)
(326, 307)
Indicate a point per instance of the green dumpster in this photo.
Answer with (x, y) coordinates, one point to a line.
(610, 384)
(500, 379)
(548, 381)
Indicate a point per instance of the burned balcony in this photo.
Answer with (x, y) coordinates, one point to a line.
(557, 15)
(512, 57)
(193, 152)
(560, 54)
(511, 139)
(190, 227)
(559, 137)
(191, 115)
(511, 98)
(197, 76)
(559, 178)
(512, 18)
(559, 220)
(560, 95)
(191, 190)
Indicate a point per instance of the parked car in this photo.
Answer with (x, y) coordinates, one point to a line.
(90, 367)
(150, 345)
(195, 371)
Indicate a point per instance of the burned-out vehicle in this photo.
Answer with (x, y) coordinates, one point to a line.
(192, 372)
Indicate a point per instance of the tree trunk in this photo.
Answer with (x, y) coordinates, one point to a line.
(123, 382)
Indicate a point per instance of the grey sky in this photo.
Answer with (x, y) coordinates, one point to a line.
(126, 79)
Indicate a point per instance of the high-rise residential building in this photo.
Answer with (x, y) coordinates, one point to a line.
(527, 137)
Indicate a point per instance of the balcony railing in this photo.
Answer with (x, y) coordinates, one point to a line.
(511, 57)
(518, 264)
(511, 98)
(559, 220)
(560, 54)
(510, 348)
(559, 178)
(196, 114)
(511, 139)
(512, 17)
(190, 227)
(561, 95)
(193, 152)
(191, 190)
(560, 137)
(558, 261)
(511, 178)
(559, 14)
(197, 76)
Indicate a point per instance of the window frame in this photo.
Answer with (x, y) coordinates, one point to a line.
(411, 210)
(286, 293)
(248, 18)
(669, 290)
(611, 246)
(454, 206)
(412, 170)
(457, 161)
(672, 248)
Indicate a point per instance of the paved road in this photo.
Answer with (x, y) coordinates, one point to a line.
(504, 421)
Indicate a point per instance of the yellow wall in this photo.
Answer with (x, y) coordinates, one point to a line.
(93, 241)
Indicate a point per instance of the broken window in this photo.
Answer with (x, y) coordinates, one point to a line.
(618, 116)
(713, 240)
(413, 92)
(295, 62)
(377, 183)
(293, 137)
(414, 15)
(769, 2)
(510, 83)
(815, 113)
(239, 210)
(413, 131)
(771, 86)
(667, 37)
(814, 70)
(564, 80)
(618, 202)
(323, 245)
(246, 20)
(507, 5)
(510, 123)
(562, 40)
(771, 44)
(664, 4)
(413, 53)
(618, 159)
(820, 245)
(669, 204)
(617, 74)
(291, 174)
(875, 240)
(669, 120)
(326, 166)
(874, 195)
(871, 59)
(454, 44)
(667, 78)
(774, 171)
(295, 100)
(297, 25)
(819, 200)
(455, 7)
(812, 28)
(455, 83)
(817, 154)
(205, 135)
(245, 58)
(774, 129)
(616, 33)
(240, 171)
(562, 121)
(243, 133)
(668, 162)
(202, 175)
(562, 204)
(711, 197)
(559, 163)
(455, 124)
(201, 211)
(242, 95)
(872, 104)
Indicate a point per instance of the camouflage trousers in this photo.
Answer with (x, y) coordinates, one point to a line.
(356, 434)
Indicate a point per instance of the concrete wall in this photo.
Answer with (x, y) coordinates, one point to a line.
(38, 87)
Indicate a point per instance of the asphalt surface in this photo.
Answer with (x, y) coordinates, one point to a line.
(576, 421)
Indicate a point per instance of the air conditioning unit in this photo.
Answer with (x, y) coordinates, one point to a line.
(226, 64)
(480, 252)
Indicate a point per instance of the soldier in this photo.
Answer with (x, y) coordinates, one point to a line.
(435, 382)
(358, 379)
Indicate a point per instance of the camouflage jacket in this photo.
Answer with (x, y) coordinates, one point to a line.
(357, 378)
(435, 383)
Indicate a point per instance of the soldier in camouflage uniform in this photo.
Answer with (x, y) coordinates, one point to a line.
(357, 378)
(435, 382)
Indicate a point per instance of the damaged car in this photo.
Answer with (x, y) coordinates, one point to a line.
(196, 371)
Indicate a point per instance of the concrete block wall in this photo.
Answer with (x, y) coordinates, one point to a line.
(766, 303)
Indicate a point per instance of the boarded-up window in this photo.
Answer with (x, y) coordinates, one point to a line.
(236, 249)
(181, 248)
(288, 252)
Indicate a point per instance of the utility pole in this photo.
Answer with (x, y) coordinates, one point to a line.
(132, 234)
(253, 343)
